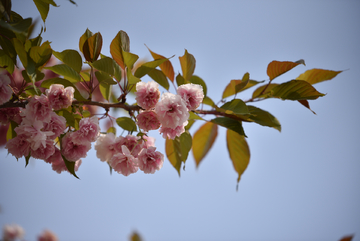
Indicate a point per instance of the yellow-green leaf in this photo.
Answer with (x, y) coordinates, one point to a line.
(160, 78)
(83, 38)
(41, 54)
(177, 150)
(230, 124)
(295, 90)
(277, 68)
(70, 57)
(92, 47)
(236, 86)
(11, 132)
(66, 71)
(203, 140)
(263, 118)
(239, 152)
(6, 62)
(314, 76)
(120, 43)
(126, 123)
(263, 90)
(187, 62)
(165, 67)
(104, 65)
(147, 67)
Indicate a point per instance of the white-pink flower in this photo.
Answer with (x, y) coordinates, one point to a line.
(7, 114)
(12, 232)
(124, 163)
(47, 235)
(38, 108)
(150, 160)
(132, 143)
(148, 141)
(192, 94)
(59, 96)
(171, 133)
(105, 147)
(42, 152)
(5, 90)
(171, 110)
(74, 151)
(18, 146)
(147, 120)
(89, 130)
(58, 164)
(147, 94)
(57, 125)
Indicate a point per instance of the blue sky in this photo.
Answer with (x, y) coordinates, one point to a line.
(301, 184)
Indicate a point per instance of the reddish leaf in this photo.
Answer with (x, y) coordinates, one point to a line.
(203, 140)
(306, 104)
(165, 67)
(277, 68)
(347, 238)
(314, 76)
(120, 43)
(92, 47)
(83, 38)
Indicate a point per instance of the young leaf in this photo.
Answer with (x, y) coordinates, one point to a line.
(239, 152)
(235, 106)
(199, 81)
(165, 67)
(131, 78)
(259, 92)
(126, 123)
(295, 90)
(70, 166)
(277, 68)
(40, 54)
(173, 153)
(66, 71)
(314, 76)
(203, 140)
(70, 57)
(129, 59)
(120, 43)
(148, 67)
(187, 62)
(11, 132)
(263, 118)
(6, 62)
(92, 47)
(229, 123)
(160, 78)
(83, 38)
(105, 90)
(180, 80)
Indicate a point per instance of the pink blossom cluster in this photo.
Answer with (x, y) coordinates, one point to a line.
(5, 90)
(126, 155)
(40, 129)
(171, 113)
(15, 232)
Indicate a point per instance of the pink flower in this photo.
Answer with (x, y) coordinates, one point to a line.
(147, 94)
(150, 160)
(172, 133)
(171, 110)
(192, 94)
(147, 120)
(33, 129)
(8, 114)
(44, 152)
(105, 147)
(148, 141)
(54, 157)
(12, 232)
(59, 96)
(131, 142)
(74, 151)
(89, 130)
(5, 90)
(47, 235)
(57, 125)
(38, 108)
(124, 163)
(18, 146)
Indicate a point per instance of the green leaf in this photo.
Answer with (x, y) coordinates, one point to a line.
(70, 166)
(263, 118)
(43, 8)
(103, 77)
(235, 106)
(160, 78)
(230, 124)
(203, 140)
(8, 46)
(177, 150)
(70, 119)
(20, 27)
(277, 68)
(295, 90)
(85, 76)
(40, 54)
(236, 86)
(199, 81)
(180, 80)
(47, 83)
(147, 67)
(129, 59)
(92, 47)
(126, 123)
(120, 44)
(314, 76)
(20, 50)
(70, 57)
(259, 90)
(6, 62)
(187, 62)
(111, 130)
(208, 101)
(105, 65)
(131, 78)
(105, 90)
(194, 116)
(239, 152)
(11, 131)
(165, 67)
(83, 38)
(66, 71)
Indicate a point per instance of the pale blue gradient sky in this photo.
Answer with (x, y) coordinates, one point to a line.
(301, 184)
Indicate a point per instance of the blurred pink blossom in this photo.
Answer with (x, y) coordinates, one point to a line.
(74, 151)
(59, 96)
(42, 152)
(57, 125)
(19, 146)
(5, 90)
(171, 133)
(105, 147)
(171, 110)
(150, 160)
(147, 94)
(89, 130)
(147, 120)
(124, 163)
(47, 235)
(7, 114)
(58, 164)
(133, 144)
(192, 94)
(38, 108)
(12, 232)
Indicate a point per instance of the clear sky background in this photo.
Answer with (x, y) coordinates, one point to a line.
(301, 184)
